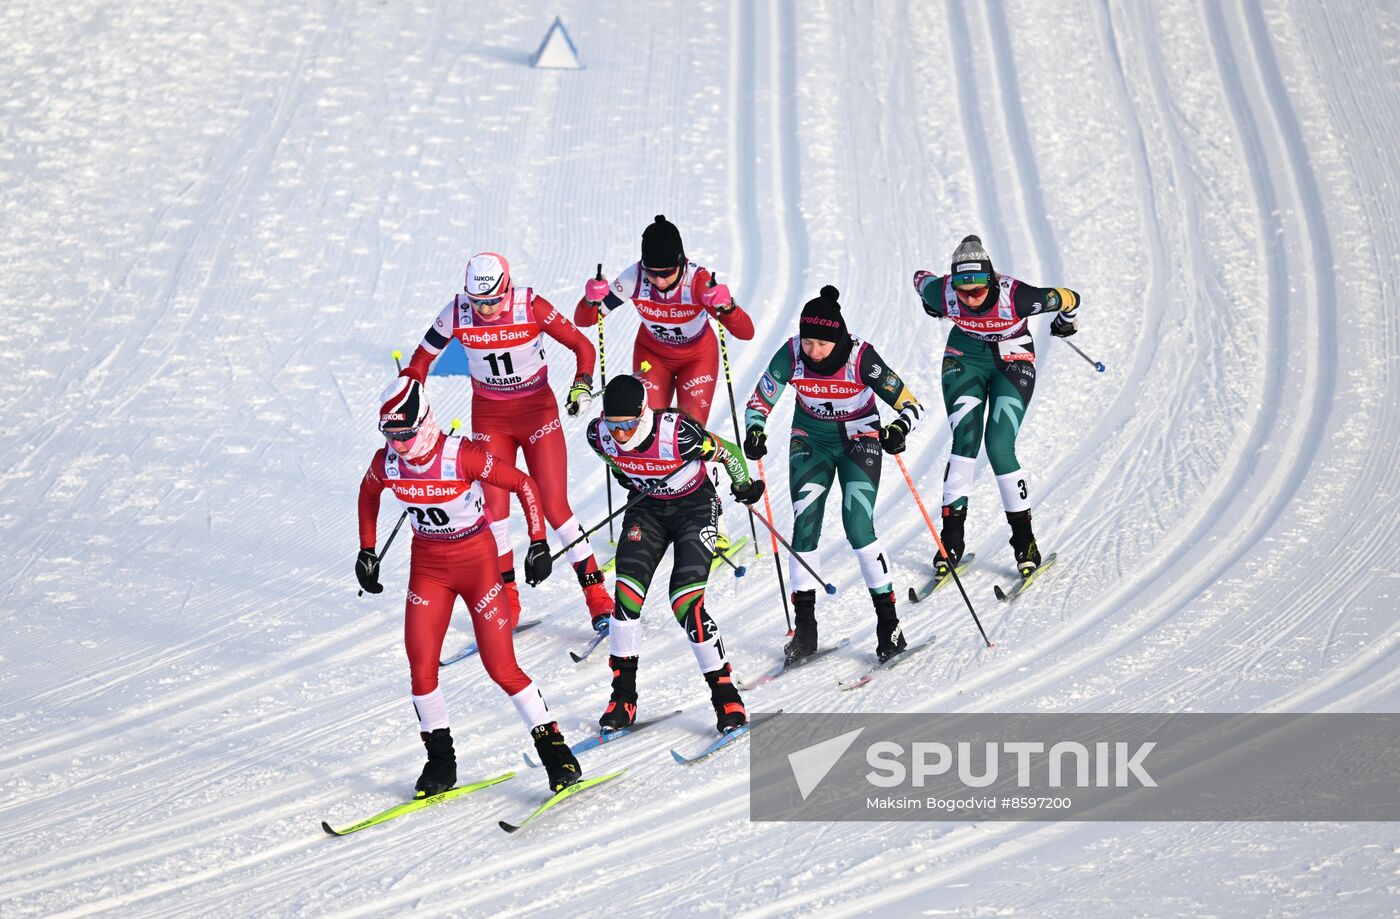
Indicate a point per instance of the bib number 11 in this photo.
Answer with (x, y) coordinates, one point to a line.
(496, 360)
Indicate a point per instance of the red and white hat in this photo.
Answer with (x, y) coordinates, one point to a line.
(405, 405)
(488, 276)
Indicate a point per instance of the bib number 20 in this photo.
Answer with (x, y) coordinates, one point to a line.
(426, 516)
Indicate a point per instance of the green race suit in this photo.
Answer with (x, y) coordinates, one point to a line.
(835, 436)
(989, 377)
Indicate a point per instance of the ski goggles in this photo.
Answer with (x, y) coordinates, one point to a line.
(972, 282)
(615, 426)
(400, 435)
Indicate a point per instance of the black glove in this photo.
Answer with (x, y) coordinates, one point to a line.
(755, 443)
(538, 564)
(892, 436)
(747, 494)
(1061, 327)
(367, 571)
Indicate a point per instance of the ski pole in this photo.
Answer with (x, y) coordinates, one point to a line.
(943, 553)
(830, 588)
(777, 558)
(1098, 365)
(603, 372)
(387, 543)
(396, 354)
(641, 493)
(733, 410)
(739, 570)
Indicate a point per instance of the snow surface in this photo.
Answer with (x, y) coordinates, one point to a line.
(218, 219)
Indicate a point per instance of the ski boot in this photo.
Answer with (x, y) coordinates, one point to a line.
(600, 602)
(889, 637)
(555, 755)
(622, 707)
(729, 708)
(952, 538)
(510, 593)
(1023, 542)
(804, 637)
(440, 772)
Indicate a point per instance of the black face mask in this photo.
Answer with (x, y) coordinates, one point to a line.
(833, 361)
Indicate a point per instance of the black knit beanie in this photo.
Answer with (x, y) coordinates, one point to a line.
(821, 317)
(822, 320)
(661, 244)
(624, 397)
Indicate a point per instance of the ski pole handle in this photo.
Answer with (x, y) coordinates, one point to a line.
(1098, 365)
(387, 543)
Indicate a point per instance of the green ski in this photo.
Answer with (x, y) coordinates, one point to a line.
(558, 797)
(417, 804)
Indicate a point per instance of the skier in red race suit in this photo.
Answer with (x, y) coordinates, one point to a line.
(500, 327)
(676, 352)
(674, 297)
(438, 479)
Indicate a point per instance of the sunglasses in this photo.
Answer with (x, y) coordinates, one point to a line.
(976, 278)
(401, 435)
(971, 291)
(660, 272)
(490, 301)
(623, 425)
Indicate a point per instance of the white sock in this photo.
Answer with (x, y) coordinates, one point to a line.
(708, 654)
(567, 532)
(800, 577)
(529, 702)
(875, 567)
(957, 483)
(1015, 493)
(432, 711)
(625, 637)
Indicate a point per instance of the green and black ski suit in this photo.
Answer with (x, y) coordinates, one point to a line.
(989, 377)
(835, 435)
(681, 512)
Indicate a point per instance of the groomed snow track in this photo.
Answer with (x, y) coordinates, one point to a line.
(218, 223)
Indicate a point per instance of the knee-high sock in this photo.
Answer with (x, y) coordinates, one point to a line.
(432, 711)
(957, 483)
(875, 568)
(1015, 492)
(529, 702)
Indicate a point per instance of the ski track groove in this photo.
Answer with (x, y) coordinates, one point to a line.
(1183, 580)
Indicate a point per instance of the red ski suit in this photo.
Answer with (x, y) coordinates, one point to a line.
(513, 406)
(453, 554)
(675, 337)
